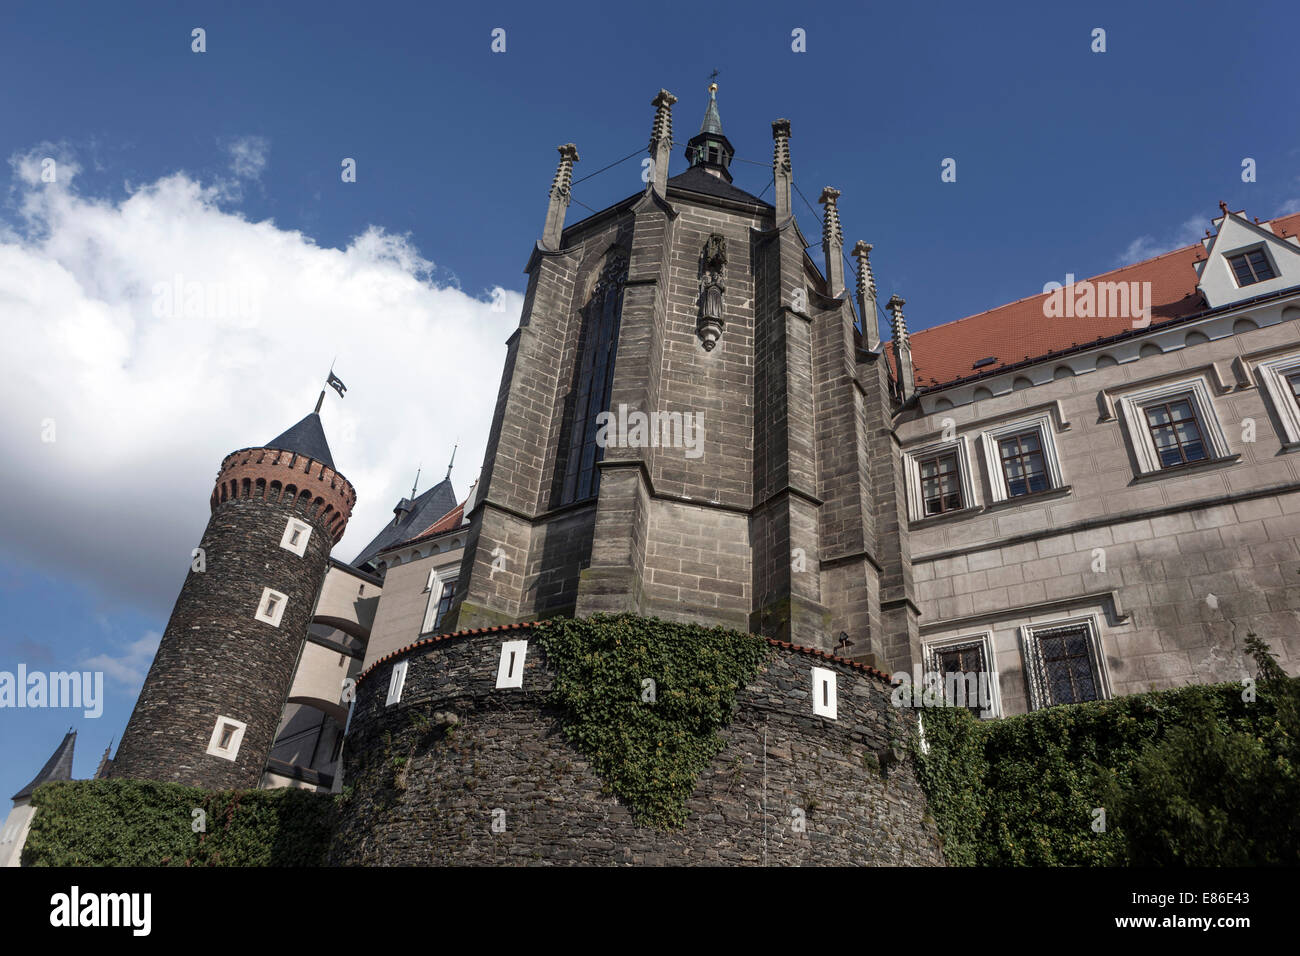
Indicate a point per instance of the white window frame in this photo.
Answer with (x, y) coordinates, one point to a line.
(1132, 410)
(281, 600)
(993, 455)
(985, 638)
(510, 670)
(825, 692)
(1272, 379)
(396, 682)
(1032, 661)
(433, 586)
(214, 743)
(304, 536)
(915, 495)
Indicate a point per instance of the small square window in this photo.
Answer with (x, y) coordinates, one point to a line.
(271, 607)
(296, 535)
(1251, 266)
(227, 735)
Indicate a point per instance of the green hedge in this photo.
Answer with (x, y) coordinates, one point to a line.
(1196, 776)
(142, 823)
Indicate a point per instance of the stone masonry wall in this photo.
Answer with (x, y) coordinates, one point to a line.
(217, 660)
(471, 749)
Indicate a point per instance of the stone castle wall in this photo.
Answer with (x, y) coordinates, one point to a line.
(425, 775)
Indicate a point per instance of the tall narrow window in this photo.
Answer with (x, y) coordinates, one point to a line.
(444, 602)
(595, 380)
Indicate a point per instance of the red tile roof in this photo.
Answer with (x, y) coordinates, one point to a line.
(1018, 332)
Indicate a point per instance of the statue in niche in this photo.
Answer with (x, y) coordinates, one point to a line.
(713, 263)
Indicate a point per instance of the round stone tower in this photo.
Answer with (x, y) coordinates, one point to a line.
(209, 709)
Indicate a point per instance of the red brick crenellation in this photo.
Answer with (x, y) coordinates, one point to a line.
(320, 492)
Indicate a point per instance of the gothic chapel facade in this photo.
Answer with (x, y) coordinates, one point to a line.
(1079, 494)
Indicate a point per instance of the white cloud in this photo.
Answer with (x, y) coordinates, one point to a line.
(248, 156)
(146, 391)
(1147, 247)
(129, 667)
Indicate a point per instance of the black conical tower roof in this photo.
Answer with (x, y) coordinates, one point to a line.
(58, 767)
(306, 438)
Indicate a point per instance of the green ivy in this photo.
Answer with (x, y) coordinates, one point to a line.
(649, 753)
(1191, 776)
(143, 823)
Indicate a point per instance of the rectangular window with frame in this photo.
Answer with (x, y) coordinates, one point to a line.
(941, 489)
(972, 658)
(444, 602)
(1173, 426)
(1023, 465)
(1293, 381)
(1251, 266)
(1176, 432)
(1064, 664)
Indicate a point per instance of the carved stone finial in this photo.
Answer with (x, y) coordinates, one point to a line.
(781, 144)
(663, 124)
(866, 279)
(831, 231)
(560, 195)
(895, 307)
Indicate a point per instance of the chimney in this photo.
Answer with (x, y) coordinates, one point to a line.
(781, 167)
(902, 349)
(833, 240)
(559, 196)
(867, 295)
(661, 139)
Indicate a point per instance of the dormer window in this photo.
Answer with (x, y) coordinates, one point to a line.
(1251, 266)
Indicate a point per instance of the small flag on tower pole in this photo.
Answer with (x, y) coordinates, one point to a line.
(336, 383)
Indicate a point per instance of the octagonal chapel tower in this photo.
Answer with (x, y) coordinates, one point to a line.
(208, 712)
(693, 423)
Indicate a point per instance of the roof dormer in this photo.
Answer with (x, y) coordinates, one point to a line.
(1245, 260)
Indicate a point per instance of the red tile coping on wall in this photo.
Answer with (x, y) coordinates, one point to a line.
(525, 625)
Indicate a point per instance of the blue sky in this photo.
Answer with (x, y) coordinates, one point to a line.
(1068, 161)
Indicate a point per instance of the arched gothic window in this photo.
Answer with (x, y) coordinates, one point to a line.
(595, 379)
